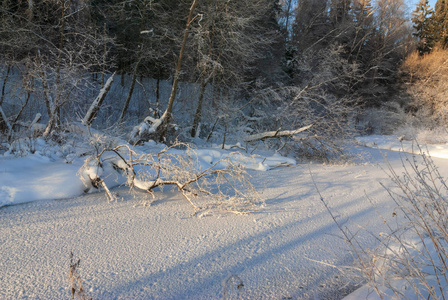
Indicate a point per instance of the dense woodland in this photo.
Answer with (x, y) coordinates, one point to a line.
(335, 66)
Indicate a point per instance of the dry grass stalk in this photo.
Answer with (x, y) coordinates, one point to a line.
(76, 287)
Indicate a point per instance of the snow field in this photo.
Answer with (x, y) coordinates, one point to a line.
(290, 249)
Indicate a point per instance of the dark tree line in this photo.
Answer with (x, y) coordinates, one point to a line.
(335, 49)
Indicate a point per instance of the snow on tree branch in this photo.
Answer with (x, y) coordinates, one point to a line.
(96, 104)
(275, 134)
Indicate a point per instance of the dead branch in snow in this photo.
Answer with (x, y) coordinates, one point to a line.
(222, 180)
(275, 134)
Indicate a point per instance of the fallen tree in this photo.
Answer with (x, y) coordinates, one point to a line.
(96, 104)
(275, 134)
(224, 181)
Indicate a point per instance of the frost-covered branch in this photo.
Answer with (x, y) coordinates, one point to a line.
(223, 180)
(275, 134)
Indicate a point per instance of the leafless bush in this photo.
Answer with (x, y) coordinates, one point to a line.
(320, 98)
(383, 120)
(416, 251)
(222, 181)
(330, 120)
(411, 257)
(426, 77)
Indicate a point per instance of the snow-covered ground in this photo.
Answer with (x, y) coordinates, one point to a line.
(289, 249)
(397, 144)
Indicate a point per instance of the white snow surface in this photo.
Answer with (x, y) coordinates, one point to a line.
(290, 249)
(395, 143)
(36, 177)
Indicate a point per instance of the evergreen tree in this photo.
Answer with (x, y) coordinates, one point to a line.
(311, 24)
(363, 20)
(341, 22)
(421, 17)
(339, 10)
(440, 23)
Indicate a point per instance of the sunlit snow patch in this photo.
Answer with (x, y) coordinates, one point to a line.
(394, 143)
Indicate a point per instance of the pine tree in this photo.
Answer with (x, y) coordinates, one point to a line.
(440, 23)
(421, 17)
(311, 24)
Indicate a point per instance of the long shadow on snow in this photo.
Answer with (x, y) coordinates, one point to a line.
(212, 280)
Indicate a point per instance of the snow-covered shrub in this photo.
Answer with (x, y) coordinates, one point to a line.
(151, 129)
(51, 148)
(383, 120)
(437, 135)
(22, 147)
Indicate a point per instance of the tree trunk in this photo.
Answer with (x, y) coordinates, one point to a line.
(47, 98)
(198, 113)
(104, 58)
(166, 117)
(134, 74)
(275, 134)
(156, 110)
(56, 108)
(4, 124)
(5, 80)
(3, 120)
(30, 10)
(95, 107)
(122, 78)
(131, 91)
(287, 21)
(27, 99)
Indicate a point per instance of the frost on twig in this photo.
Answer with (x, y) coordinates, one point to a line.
(222, 184)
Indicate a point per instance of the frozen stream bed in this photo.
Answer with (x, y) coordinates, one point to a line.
(290, 249)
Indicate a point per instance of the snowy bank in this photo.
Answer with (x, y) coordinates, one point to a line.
(36, 177)
(54, 176)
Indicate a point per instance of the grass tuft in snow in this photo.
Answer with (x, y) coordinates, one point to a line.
(232, 286)
(76, 287)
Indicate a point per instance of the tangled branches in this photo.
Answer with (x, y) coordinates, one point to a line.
(180, 166)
